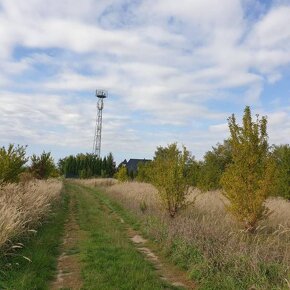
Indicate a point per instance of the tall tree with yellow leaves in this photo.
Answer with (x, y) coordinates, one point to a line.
(249, 179)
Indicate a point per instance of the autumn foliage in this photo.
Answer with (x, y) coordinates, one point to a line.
(122, 174)
(249, 179)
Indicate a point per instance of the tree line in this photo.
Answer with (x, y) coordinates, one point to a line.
(14, 168)
(206, 174)
(244, 167)
(87, 166)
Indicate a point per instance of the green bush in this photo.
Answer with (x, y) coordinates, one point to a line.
(12, 162)
(170, 176)
(144, 172)
(213, 166)
(43, 167)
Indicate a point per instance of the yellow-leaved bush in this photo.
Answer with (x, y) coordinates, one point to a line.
(249, 178)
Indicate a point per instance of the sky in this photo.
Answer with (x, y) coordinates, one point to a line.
(174, 71)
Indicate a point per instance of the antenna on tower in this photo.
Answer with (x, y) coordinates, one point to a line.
(101, 95)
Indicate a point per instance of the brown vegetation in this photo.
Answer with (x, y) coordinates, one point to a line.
(96, 182)
(23, 205)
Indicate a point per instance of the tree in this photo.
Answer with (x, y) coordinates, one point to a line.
(169, 176)
(104, 168)
(12, 162)
(61, 166)
(70, 166)
(110, 165)
(282, 157)
(87, 166)
(193, 171)
(213, 166)
(42, 166)
(144, 172)
(122, 174)
(249, 179)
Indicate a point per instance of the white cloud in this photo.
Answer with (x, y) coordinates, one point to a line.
(272, 31)
(167, 63)
(219, 128)
(279, 126)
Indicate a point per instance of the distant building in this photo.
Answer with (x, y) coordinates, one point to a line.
(132, 164)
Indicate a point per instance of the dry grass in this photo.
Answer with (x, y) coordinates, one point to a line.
(23, 205)
(207, 227)
(96, 182)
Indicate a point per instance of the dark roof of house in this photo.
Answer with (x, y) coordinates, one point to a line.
(123, 163)
(132, 164)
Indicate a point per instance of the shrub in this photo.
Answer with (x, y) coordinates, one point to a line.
(42, 166)
(122, 174)
(193, 171)
(213, 166)
(248, 180)
(12, 162)
(85, 173)
(144, 172)
(169, 176)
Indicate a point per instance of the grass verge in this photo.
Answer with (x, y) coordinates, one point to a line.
(110, 261)
(18, 273)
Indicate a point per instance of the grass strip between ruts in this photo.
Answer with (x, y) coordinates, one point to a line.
(110, 260)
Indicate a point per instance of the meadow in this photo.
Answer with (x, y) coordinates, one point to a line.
(234, 237)
(207, 242)
(203, 239)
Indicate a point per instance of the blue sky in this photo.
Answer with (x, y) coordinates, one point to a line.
(175, 70)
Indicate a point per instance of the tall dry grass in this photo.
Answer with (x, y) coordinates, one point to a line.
(23, 205)
(96, 182)
(206, 228)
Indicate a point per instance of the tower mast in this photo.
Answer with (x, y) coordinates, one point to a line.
(101, 95)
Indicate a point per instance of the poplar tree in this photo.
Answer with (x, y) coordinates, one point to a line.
(249, 179)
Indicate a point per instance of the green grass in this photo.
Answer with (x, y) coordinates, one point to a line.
(110, 260)
(16, 273)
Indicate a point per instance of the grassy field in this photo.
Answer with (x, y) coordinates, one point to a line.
(206, 242)
(203, 240)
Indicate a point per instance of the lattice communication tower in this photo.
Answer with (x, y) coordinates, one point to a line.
(101, 95)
